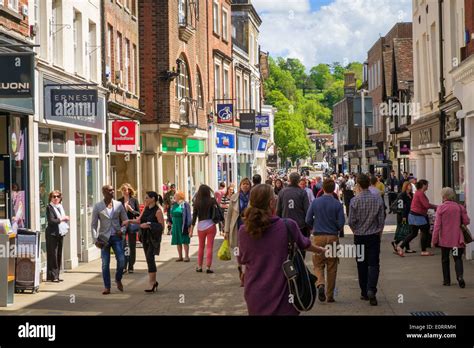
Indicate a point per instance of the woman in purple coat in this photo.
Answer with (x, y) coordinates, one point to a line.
(263, 247)
(448, 236)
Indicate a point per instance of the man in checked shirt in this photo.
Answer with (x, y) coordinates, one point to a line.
(367, 220)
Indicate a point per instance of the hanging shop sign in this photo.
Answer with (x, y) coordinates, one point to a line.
(225, 140)
(262, 121)
(74, 103)
(124, 132)
(17, 77)
(247, 121)
(262, 144)
(405, 147)
(225, 113)
(81, 107)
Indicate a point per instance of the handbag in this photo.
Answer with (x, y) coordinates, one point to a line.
(402, 231)
(465, 231)
(217, 214)
(301, 282)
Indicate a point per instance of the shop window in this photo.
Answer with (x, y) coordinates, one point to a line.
(79, 143)
(91, 144)
(44, 140)
(59, 142)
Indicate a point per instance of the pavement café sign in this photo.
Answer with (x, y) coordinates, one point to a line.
(81, 107)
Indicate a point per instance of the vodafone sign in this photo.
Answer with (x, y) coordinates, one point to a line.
(124, 133)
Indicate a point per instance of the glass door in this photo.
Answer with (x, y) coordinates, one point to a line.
(81, 206)
(3, 188)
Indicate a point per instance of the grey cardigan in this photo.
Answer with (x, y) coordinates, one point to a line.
(99, 213)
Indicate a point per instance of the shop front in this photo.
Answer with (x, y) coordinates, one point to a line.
(226, 157)
(454, 159)
(124, 157)
(70, 136)
(197, 173)
(260, 163)
(17, 102)
(173, 161)
(426, 157)
(245, 156)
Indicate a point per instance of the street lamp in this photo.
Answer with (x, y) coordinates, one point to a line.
(364, 159)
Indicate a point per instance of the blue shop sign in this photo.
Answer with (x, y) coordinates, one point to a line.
(225, 140)
(262, 144)
(262, 121)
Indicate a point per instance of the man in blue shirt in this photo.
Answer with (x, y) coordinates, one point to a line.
(326, 216)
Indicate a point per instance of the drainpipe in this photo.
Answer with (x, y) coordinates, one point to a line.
(441, 97)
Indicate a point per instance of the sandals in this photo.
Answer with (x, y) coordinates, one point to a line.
(179, 260)
(400, 252)
(426, 253)
(410, 251)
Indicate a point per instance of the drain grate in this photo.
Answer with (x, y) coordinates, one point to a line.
(428, 314)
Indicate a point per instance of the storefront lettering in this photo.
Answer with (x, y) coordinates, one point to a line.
(15, 86)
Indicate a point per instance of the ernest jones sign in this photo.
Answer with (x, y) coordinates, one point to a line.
(73, 102)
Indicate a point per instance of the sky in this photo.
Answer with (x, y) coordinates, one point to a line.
(327, 31)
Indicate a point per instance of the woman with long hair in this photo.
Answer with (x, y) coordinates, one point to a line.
(151, 222)
(447, 234)
(405, 198)
(132, 207)
(278, 186)
(55, 232)
(263, 248)
(238, 203)
(179, 215)
(204, 209)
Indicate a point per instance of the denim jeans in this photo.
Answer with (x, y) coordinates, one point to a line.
(116, 244)
(369, 267)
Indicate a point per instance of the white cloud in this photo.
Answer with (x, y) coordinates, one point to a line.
(342, 31)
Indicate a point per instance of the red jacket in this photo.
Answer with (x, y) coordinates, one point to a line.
(421, 204)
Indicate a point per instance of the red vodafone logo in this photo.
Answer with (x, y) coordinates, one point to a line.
(124, 133)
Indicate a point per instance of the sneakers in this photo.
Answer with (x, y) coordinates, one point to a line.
(321, 293)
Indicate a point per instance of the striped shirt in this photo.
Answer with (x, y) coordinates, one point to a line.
(366, 214)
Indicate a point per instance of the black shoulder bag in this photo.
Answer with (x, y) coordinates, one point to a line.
(301, 282)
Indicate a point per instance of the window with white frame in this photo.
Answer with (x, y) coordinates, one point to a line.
(217, 81)
(215, 11)
(77, 42)
(92, 51)
(182, 82)
(56, 43)
(13, 4)
(199, 90)
(134, 88)
(126, 64)
(238, 91)
(226, 82)
(118, 58)
(225, 24)
(182, 12)
(110, 40)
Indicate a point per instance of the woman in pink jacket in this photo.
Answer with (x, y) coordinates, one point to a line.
(448, 236)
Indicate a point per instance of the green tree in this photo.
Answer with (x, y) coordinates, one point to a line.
(296, 69)
(320, 75)
(290, 137)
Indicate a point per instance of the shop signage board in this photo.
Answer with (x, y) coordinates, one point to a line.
(80, 103)
(262, 121)
(124, 132)
(17, 77)
(262, 144)
(172, 144)
(225, 113)
(244, 143)
(405, 147)
(225, 140)
(368, 110)
(247, 121)
(196, 146)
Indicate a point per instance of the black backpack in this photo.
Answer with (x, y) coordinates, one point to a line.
(301, 282)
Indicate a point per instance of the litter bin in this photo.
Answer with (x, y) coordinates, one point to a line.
(28, 261)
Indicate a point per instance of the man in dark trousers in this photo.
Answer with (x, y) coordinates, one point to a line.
(293, 203)
(393, 185)
(367, 220)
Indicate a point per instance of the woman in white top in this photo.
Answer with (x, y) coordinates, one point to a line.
(55, 232)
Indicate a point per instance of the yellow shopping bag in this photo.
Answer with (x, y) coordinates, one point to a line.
(224, 251)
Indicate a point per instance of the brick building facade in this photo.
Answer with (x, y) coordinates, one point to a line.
(174, 77)
(120, 75)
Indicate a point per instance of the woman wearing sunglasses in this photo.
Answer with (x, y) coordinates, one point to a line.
(55, 232)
